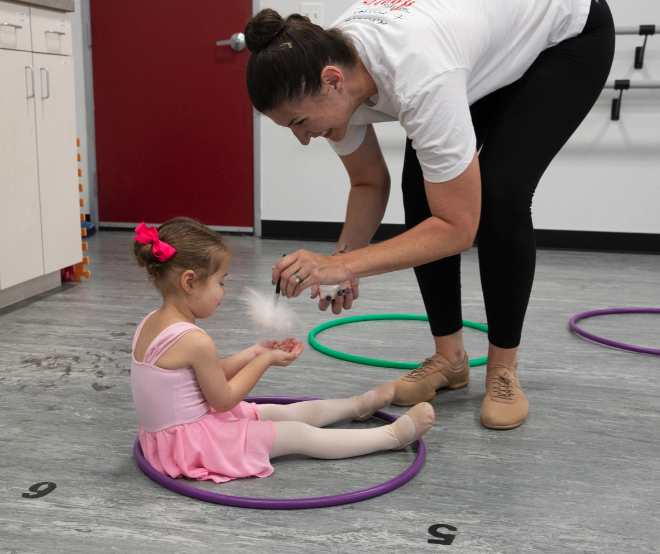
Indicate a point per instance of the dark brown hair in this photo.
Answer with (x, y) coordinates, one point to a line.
(288, 56)
(197, 248)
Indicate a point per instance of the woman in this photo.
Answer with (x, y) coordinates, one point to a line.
(488, 93)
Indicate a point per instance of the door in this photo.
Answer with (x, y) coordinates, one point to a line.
(20, 217)
(172, 115)
(58, 166)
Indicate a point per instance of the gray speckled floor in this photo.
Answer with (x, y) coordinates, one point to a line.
(580, 476)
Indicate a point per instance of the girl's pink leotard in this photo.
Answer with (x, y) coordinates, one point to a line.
(181, 434)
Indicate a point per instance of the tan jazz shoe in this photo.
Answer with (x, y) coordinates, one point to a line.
(505, 405)
(435, 373)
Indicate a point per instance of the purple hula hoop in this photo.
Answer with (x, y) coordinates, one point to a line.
(288, 503)
(642, 349)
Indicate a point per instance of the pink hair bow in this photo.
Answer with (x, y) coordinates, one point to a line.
(147, 235)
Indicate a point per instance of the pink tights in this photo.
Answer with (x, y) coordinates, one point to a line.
(297, 430)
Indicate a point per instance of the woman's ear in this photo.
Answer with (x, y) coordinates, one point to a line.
(332, 76)
(187, 281)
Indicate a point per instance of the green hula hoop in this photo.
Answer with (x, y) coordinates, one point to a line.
(374, 361)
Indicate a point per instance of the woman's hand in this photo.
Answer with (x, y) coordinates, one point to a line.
(286, 354)
(343, 300)
(302, 269)
(348, 290)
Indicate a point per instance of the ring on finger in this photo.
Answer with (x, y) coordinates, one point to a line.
(298, 279)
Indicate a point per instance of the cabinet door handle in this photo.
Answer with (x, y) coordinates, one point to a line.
(11, 25)
(32, 73)
(47, 83)
(55, 32)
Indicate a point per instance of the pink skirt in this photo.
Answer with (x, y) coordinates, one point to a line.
(220, 446)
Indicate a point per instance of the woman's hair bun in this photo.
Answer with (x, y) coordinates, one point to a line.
(261, 29)
(288, 57)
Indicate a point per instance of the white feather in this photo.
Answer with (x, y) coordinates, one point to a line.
(268, 314)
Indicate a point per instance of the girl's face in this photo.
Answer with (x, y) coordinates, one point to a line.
(210, 294)
(325, 115)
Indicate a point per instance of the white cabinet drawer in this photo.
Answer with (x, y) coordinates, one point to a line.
(15, 27)
(51, 32)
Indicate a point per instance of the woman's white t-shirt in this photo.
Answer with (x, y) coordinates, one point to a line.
(432, 59)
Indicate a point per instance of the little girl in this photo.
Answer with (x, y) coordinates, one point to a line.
(193, 420)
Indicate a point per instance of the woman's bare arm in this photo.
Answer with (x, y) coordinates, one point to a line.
(455, 211)
(370, 191)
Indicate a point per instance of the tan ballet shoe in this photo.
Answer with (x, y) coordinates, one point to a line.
(383, 395)
(422, 416)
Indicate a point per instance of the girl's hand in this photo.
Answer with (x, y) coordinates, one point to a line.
(268, 345)
(312, 269)
(287, 354)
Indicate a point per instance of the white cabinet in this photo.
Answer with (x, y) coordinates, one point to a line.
(21, 252)
(15, 31)
(57, 162)
(51, 32)
(39, 199)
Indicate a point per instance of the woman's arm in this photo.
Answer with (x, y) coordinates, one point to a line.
(455, 208)
(367, 201)
(370, 191)
(451, 229)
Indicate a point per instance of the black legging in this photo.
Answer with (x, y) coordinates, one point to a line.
(520, 129)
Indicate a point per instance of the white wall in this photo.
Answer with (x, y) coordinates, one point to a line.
(309, 183)
(607, 178)
(81, 115)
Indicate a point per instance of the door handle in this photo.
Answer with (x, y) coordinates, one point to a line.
(237, 42)
(32, 72)
(55, 32)
(47, 83)
(11, 25)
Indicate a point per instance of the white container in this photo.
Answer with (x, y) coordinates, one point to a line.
(328, 290)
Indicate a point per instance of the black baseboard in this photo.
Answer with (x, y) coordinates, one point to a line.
(319, 230)
(644, 243)
(545, 238)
